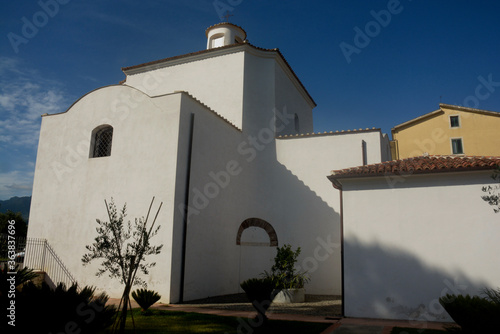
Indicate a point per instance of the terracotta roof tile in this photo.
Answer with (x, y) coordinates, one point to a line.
(225, 24)
(165, 60)
(419, 165)
(325, 133)
(208, 108)
(440, 111)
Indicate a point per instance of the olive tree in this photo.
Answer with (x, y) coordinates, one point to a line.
(123, 247)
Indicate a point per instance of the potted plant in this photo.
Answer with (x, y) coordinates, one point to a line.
(288, 282)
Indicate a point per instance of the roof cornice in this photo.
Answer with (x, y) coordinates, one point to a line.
(432, 164)
(416, 120)
(331, 133)
(440, 110)
(466, 109)
(221, 51)
(221, 24)
(185, 58)
(208, 108)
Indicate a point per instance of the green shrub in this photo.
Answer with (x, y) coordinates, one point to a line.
(41, 309)
(145, 298)
(473, 314)
(260, 293)
(283, 272)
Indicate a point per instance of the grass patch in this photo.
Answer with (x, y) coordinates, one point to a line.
(401, 330)
(176, 322)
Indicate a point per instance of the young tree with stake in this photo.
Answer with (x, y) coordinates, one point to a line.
(121, 256)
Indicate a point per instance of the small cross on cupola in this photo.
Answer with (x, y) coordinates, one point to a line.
(227, 16)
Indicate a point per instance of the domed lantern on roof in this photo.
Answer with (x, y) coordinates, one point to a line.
(223, 34)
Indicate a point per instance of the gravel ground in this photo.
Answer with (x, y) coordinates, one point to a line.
(317, 305)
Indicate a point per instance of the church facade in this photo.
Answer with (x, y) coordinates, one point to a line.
(224, 139)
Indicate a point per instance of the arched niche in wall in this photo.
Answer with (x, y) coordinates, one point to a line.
(256, 228)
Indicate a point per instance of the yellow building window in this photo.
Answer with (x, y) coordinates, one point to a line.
(454, 122)
(457, 146)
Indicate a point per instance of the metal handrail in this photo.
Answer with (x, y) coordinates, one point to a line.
(37, 254)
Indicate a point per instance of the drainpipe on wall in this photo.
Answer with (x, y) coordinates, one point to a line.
(186, 209)
(342, 248)
(336, 184)
(364, 155)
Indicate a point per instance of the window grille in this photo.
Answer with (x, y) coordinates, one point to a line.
(102, 142)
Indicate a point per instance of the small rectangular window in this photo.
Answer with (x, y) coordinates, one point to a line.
(456, 146)
(454, 122)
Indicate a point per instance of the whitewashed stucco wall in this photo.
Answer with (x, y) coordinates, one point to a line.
(215, 79)
(282, 183)
(315, 210)
(409, 240)
(236, 173)
(242, 84)
(70, 188)
(290, 99)
(215, 264)
(211, 260)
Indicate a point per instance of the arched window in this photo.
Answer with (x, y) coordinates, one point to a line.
(217, 40)
(256, 222)
(102, 138)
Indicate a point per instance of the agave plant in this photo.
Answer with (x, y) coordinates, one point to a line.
(260, 293)
(145, 298)
(63, 309)
(22, 276)
(474, 314)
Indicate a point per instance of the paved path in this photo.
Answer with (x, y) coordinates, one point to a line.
(339, 325)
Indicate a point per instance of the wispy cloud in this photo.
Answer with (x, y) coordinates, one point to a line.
(9, 65)
(112, 19)
(16, 183)
(24, 96)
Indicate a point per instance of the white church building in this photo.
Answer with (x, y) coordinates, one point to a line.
(224, 138)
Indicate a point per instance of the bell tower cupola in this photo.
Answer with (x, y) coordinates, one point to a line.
(223, 34)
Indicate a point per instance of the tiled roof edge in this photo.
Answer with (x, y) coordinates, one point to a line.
(277, 51)
(326, 133)
(416, 119)
(481, 111)
(422, 165)
(186, 55)
(222, 24)
(447, 106)
(210, 109)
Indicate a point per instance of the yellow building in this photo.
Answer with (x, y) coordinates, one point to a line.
(450, 130)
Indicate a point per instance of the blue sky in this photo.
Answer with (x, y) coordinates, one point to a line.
(374, 63)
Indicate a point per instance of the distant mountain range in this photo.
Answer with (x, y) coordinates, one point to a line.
(17, 204)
